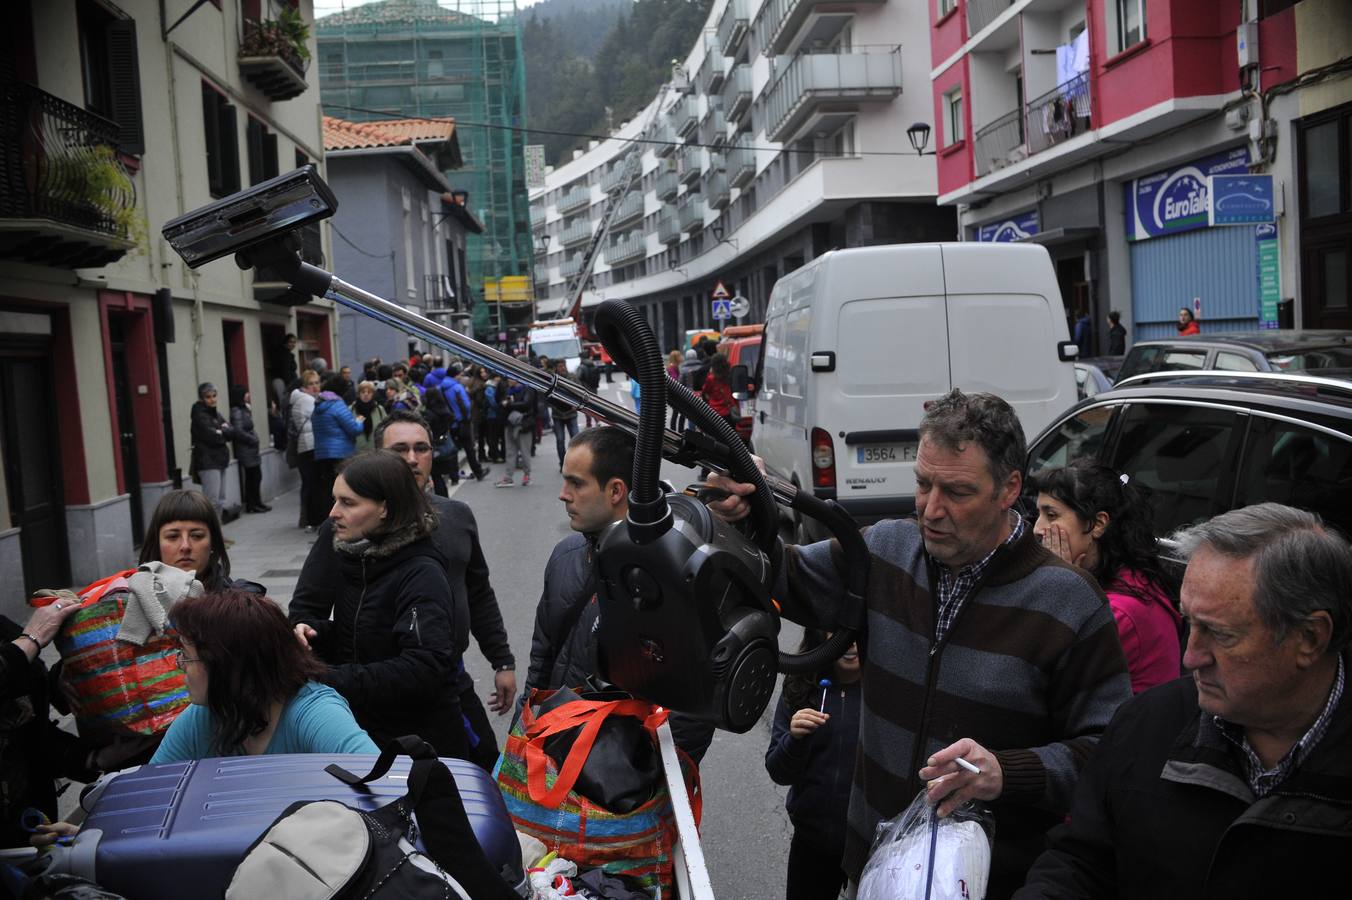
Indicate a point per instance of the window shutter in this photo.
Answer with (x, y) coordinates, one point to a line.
(253, 137)
(211, 128)
(124, 76)
(269, 155)
(229, 144)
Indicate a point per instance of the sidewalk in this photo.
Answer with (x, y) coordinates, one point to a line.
(269, 548)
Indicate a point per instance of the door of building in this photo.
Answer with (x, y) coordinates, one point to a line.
(126, 417)
(32, 460)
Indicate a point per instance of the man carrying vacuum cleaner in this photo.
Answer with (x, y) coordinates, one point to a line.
(595, 493)
(991, 666)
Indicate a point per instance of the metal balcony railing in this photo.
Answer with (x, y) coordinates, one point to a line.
(65, 198)
(740, 162)
(626, 249)
(571, 266)
(1059, 115)
(1000, 143)
(689, 163)
(574, 199)
(712, 70)
(542, 274)
(663, 138)
(667, 185)
(614, 176)
(717, 189)
(737, 93)
(537, 217)
(441, 296)
(981, 13)
(690, 212)
(733, 27)
(577, 233)
(685, 115)
(668, 231)
(714, 128)
(778, 22)
(815, 78)
(630, 208)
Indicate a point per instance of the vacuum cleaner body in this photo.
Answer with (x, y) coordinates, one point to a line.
(686, 619)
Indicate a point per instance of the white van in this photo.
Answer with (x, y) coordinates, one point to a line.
(859, 340)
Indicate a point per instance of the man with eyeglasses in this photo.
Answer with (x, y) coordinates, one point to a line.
(476, 605)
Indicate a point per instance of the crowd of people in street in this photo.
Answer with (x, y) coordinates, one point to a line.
(1133, 734)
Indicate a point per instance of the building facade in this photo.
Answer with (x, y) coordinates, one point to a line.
(460, 59)
(780, 137)
(399, 231)
(116, 121)
(1093, 126)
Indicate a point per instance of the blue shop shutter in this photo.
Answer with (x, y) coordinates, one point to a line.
(1220, 265)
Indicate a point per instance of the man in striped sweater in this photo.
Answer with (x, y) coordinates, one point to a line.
(980, 644)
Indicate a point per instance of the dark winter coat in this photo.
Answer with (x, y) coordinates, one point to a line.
(1162, 810)
(246, 438)
(391, 644)
(563, 647)
(211, 437)
(520, 399)
(819, 768)
(456, 538)
(1117, 340)
(589, 375)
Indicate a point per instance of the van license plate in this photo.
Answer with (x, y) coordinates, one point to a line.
(886, 453)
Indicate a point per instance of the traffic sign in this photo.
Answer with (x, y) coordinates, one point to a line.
(722, 310)
(721, 292)
(740, 306)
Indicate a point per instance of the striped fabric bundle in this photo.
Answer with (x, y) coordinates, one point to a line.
(115, 687)
(638, 844)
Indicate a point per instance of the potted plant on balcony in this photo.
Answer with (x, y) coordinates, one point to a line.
(284, 37)
(95, 191)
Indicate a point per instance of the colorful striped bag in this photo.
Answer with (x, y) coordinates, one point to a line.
(542, 802)
(116, 688)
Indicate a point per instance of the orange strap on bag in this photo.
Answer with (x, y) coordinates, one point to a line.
(589, 714)
(90, 594)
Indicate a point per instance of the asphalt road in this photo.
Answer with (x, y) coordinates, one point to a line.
(745, 831)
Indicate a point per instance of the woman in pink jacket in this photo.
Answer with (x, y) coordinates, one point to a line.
(1094, 518)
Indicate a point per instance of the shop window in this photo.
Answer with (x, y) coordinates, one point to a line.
(222, 139)
(1323, 175)
(953, 131)
(262, 145)
(110, 70)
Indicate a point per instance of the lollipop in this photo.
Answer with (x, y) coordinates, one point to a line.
(824, 683)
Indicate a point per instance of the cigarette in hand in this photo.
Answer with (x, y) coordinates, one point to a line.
(968, 766)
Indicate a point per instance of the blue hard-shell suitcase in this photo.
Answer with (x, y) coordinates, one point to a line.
(180, 829)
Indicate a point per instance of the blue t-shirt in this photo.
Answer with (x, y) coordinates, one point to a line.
(316, 720)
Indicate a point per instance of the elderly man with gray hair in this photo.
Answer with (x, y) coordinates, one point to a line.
(1237, 780)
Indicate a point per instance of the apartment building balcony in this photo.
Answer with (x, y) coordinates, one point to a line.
(684, 115)
(65, 200)
(440, 296)
(626, 249)
(542, 274)
(537, 218)
(714, 128)
(822, 90)
(271, 61)
(574, 199)
(779, 23)
(630, 209)
(712, 70)
(740, 163)
(667, 185)
(1000, 143)
(689, 164)
(690, 212)
(570, 266)
(733, 27)
(737, 93)
(668, 230)
(615, 176)
(717, 189)
(1060, 114)
(578, 233)
(664, 139)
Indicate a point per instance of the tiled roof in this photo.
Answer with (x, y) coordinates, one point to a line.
(397, 12)
(340, 134)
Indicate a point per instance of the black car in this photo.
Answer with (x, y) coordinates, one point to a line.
(1202, 443)
(1242, 351)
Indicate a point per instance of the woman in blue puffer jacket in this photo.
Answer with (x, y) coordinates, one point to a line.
(336, 430)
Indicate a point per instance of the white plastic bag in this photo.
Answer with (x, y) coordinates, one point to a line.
(918, 856)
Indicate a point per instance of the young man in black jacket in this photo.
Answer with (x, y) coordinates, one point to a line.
(475, 611)
(595, 494)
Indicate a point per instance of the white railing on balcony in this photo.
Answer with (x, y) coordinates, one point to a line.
(684, 115)
(717, 189)
(712, 70)
(537, 217)
(981, 13)
(733, 27)
(667, 185)
(577, 233)
(570, 266)
(714, 128)
(737, 93)
(614, 176)
(813, 78)
(740, 162)
(631, 207)
(1060, 114)
(542, 274)
(627, 248)
(668, 231)
(664, 139)
(689, 163)
(690, 212)
(778, 22)
(1000, 143)
(574, 199)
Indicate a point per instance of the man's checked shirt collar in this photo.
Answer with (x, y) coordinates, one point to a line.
(955, 589)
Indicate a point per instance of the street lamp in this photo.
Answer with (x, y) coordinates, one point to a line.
(918, 134)
(717, 230)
